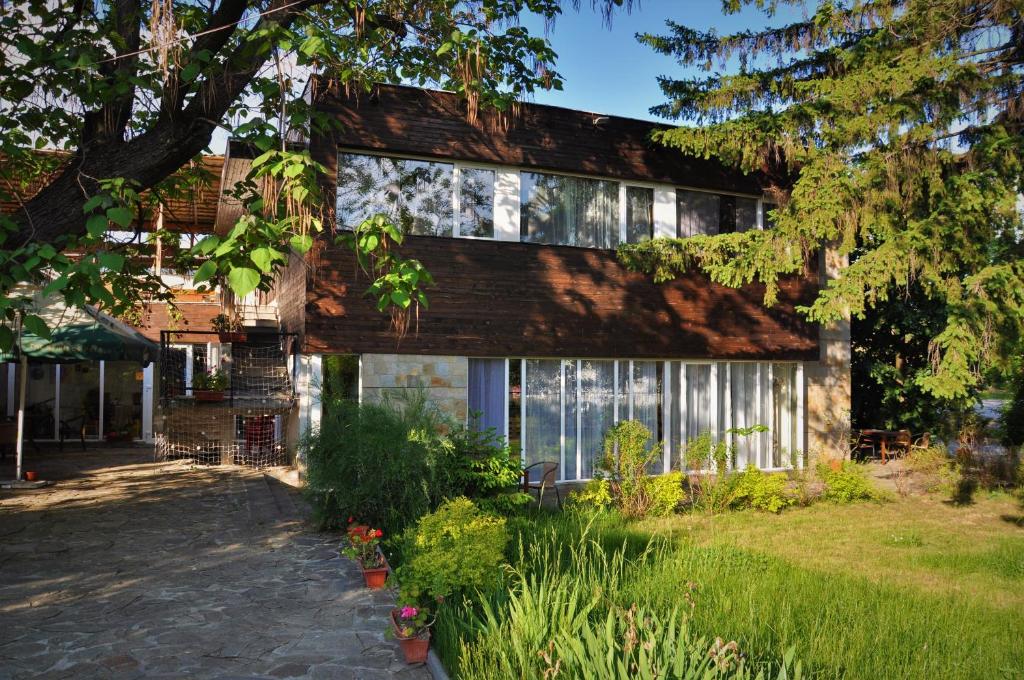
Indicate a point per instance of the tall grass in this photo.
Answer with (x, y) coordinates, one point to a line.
(577, 592)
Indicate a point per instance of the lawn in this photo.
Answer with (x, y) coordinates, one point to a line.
(910, 588)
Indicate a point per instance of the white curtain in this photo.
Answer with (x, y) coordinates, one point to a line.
(597, 411)
(697, 212)
(571, 211)
(646, 381)
(542, 410)
(570, 469)
(747, 410)
(784, 416)
(698, 416)
(487, 394)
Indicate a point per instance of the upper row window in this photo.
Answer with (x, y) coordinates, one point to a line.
(698, 212)
(432, 198)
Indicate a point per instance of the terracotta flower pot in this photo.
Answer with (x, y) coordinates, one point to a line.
(375, 578)
(31, 475)
(208, 395)
(414, 649)
(232, 336)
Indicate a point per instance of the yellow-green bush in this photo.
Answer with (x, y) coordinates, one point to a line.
(753, 488)
(453, 549)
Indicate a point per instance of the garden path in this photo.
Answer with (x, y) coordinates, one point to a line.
(126, 568)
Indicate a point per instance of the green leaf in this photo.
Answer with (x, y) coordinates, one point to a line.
(33, 324)
(96, 226)
(120, 215)
(112, 261)
(264, 259)
(207, 245)
(301, 243)
(400, 298)
(6, 338)
(206, 272)
(243, 280)
(189, 73)
(57, 284)
(444, 49)
(46, 251)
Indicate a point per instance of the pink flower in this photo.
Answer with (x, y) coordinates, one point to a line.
(409, 612)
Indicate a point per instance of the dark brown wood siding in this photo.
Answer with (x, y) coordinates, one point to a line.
(514, 299)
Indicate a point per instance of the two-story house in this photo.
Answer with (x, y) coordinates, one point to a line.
(534, 324)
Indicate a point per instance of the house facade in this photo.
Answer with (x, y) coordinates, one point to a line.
(534, 327)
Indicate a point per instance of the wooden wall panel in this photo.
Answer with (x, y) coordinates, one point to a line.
(515, 299)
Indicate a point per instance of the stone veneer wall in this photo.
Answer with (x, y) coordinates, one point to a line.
(445, 378)
(829, 382)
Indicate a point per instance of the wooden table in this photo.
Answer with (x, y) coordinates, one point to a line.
(884, 439)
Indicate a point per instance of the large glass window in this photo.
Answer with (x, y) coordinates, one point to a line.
(570, 211)
(80, 400)
(542, 403)
(417, 195)
(476, 202)
(639, 214)
(597, 411)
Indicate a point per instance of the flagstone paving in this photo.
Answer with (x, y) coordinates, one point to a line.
(126, 568)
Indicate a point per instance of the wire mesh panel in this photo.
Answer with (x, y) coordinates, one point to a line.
(236, 418)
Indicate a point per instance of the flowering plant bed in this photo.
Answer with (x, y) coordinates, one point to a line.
(364, 547)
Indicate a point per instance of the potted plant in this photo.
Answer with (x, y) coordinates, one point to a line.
(209, 386)
(229, 328)
(364, 547)
(411, 627)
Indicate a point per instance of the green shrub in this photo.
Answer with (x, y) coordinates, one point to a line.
(847, 484)
(1012, 418)
(936, 470)
(666, 493)
(455, 549)
(595, 496)
(480, 466)
(756, 489)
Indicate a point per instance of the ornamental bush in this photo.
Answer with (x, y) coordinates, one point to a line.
(847, 484)
(457, 548)
(755, 489)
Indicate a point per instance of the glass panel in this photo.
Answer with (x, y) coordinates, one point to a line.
(698, 399)
(596, 410)
(122, 410)
(571, 471)
(417, 195)
(697, 212)
(39, 400)
(572, 211)
(746, 214)
(647, 388)
(476, 202)
(784, 418)
(542, 410)
(639, 214)
(487, 395)
(80, 400)
(622, 392)
(674, 420)
(340, 380)
(746, 412)
(515, 401)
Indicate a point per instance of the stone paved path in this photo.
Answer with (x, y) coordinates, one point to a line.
(132, 569)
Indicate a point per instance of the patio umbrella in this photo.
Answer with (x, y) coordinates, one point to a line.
(78, 334)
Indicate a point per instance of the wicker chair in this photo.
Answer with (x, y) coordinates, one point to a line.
(545, 479)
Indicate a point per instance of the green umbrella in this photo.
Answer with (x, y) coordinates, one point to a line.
(96, 341)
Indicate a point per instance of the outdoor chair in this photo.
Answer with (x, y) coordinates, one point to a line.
(922, 441)
(863, 446)
(540, 482)
(901, 443)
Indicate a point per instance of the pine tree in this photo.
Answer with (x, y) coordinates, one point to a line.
(896, 130)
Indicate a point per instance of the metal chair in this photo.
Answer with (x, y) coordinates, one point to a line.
(546, 480)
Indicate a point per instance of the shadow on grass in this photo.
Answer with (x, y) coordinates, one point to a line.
(963, 495)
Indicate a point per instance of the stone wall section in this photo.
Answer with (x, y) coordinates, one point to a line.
(445, 379)
(829, 382)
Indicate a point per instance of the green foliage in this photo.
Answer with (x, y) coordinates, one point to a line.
(761, 491)
(595, 496)
(222, 323)
(390, 463)
(890, 131)
(455, 549)
(848, 484)
(215, 380)
(936, 471)
(666, 493)
(1012, 418)
(565, 612)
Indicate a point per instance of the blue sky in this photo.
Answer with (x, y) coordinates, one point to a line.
(608, 71)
